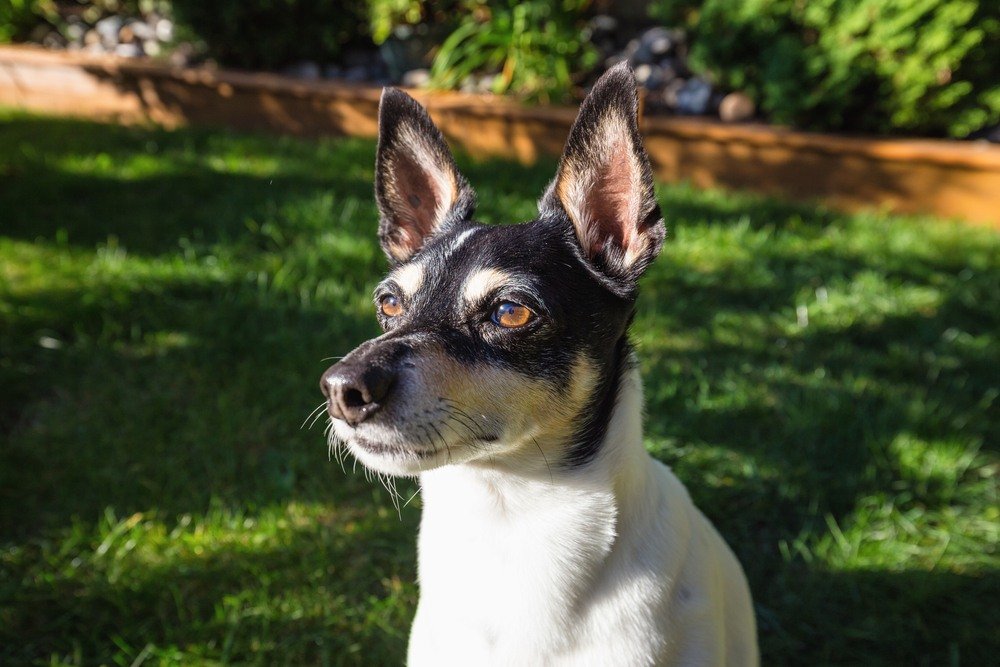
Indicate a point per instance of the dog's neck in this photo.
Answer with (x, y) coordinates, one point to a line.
(497, 541)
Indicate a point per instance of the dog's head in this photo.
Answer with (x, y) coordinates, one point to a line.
(502, 343)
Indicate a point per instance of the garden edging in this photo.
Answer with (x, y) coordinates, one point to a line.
(937, 177)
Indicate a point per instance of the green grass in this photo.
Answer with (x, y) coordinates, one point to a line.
(825, 384)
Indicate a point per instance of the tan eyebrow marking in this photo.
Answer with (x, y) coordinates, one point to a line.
(409, 277)
(482, 282)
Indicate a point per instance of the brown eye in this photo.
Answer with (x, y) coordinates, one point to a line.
(390, 306)
(512, 315)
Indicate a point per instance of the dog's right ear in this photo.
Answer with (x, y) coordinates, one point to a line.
(417, 185)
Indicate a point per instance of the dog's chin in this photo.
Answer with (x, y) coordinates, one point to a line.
(391, 458)
(389, 452)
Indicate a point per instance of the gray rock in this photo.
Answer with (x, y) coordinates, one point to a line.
(673, 68)
(53, 40)
(108, 28)
(736, 108)
(304, 69)
(164, 29)
(658, 41)
(416, 78)
(643, 72)
(637, 53)
(128, 50)
(142, 31)
(75, 32)
(694, 97)
(668, 97)
(603, 23)
(333, 72)
(485, 84)
(356, 74)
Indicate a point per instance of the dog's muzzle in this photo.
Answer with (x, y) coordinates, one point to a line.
(361, 384)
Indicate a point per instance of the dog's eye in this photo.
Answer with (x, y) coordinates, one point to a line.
(390, 306)
(512, 315)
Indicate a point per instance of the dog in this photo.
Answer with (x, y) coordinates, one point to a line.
(505, 380)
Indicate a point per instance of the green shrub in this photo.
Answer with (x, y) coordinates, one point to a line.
(533, 48)
(893, 66)
(19, 17)
(273, 33)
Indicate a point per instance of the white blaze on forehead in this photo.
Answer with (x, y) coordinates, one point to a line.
(460, 239)
(480, 283)
(409, 277)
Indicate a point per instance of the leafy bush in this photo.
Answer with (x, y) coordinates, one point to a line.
(901, 66)
(18, 17)
(533, 48)
(273, 33)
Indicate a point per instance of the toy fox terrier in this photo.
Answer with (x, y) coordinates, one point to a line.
(505, 380)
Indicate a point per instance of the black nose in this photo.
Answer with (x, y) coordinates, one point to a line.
(355, 393)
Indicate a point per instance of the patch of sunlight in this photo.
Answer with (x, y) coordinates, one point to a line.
(715, 466)
(925, 466)
(158, 343)
(881, 534)
(867, 299)
(711, 249)
(135, 166)
(132, 546)
(29, 267)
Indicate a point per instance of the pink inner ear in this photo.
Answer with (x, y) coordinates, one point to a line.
(416, 198)
(609, 202)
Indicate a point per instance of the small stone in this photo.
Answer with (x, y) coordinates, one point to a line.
(108, 28)
(53, 40)
(637, 53)
(737, 108)
(333, 72)
(126, 35)
(91, 38)
(75, 32)
(151, 47)
(305, 69)
(164, 29)
(128, 50)
(142, 31)
(356, 74)
(658, 41)
(694, 97)
(485, 84)
(673, 68)
(604, 23)
(181, 56)
(670, 93)
(416, 78)
(642, 73)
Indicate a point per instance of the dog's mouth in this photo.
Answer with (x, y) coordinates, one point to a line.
(389, 449)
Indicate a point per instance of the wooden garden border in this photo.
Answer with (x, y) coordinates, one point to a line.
(945, 178)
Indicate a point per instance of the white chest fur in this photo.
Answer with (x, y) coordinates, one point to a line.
(608, 565)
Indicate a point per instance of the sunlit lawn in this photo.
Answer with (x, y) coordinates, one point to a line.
(826, 385)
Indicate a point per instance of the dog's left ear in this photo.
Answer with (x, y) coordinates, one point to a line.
(604, 184)
(417, 185)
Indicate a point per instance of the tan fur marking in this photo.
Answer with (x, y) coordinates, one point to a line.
(482, 282)
(409, 277)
